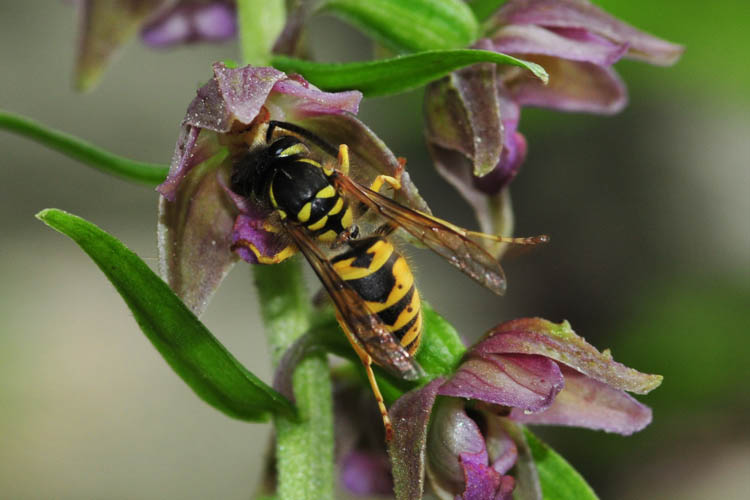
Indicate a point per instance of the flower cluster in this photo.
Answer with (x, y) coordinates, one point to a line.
(104, 27)
(203, 226)
(472, 116)
(462, 431)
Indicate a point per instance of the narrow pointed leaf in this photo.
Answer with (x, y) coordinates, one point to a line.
(410, 25)
(559, 480)
(85, 152)
(184, 342)
(399, 74)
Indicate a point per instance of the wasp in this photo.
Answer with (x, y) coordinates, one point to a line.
(370, 283)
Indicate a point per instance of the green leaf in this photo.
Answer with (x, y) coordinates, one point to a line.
(559, 480)
(442, 349)
(393, 76)
(184, 342)
(410, 25)
(259, 23)
(483, 9)
(78, 149)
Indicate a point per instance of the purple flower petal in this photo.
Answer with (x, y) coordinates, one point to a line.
(519, 381)
(191, 21)
(188, 152)
(452, 146)
(560, 343)
(252, 242)
(585, 402)
(194, 236)
(581, 14)
(410, 415)
(232, 95)
(502, 450)
(482, 482)
(302, 99)
(571, 44)
(573, 86)
(453, 435)
(463, 114)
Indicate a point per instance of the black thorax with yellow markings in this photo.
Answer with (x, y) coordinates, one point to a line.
(381, 276)
(296, 187)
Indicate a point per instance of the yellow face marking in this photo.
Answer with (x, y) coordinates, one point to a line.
(304, 214)
(348, 218)
(318, 225)
(326, 192)
(272, 197)
(282, 214)
(381, 251)
(328, 237)
(337, 207)
(404, 281)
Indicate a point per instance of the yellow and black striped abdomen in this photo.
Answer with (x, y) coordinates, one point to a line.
(381, 276)
(301, 190)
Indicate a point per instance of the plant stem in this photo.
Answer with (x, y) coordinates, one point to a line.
(85, 152)
(260, 22)
(304, 447)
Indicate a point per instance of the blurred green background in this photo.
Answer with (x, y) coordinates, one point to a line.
(650, 256)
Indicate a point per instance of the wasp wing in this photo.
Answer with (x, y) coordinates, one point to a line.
(367, 329)
(447, 240)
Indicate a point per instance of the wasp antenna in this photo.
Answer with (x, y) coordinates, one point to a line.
(314, 138)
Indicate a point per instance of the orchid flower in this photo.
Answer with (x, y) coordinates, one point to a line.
(204, 228)
(106, 25)
(472, 115)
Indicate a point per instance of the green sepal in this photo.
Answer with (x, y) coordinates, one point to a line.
(399, 74)
(184, 342)
(559, 480)
(410, 25)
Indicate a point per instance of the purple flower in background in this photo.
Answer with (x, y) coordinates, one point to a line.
(472, 115)
(203, 226)
(191, 21)
(527, 371)
(106, 25)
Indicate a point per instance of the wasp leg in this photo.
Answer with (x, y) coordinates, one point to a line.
(343, 159)
(367, 361)
(277, 258)
(394, 182)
